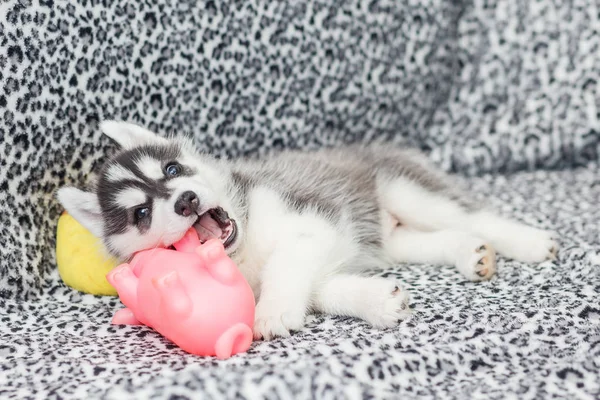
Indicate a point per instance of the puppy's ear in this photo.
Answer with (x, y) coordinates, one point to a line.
(84, 207)
(129, 135)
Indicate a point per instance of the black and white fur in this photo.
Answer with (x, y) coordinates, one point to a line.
(308, 223)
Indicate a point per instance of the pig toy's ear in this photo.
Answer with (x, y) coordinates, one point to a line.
(216, 261)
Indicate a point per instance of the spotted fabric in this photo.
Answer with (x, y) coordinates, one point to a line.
(482, 86)
(527, 91)
(532, 332)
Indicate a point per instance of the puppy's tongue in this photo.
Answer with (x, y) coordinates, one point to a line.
(208, 228)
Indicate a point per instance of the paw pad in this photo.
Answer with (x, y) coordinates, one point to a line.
(482, 273)
(477, 260)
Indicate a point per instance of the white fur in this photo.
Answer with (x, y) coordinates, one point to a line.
(415, 207)
(286, 254)
(116, 173)
(381, 302)
(472, 256)
(129, 135)
(84, 207)
(150, 167)
(513, 239)
(130, 197)
(418, 208)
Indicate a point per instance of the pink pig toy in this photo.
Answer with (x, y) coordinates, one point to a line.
(195, 296)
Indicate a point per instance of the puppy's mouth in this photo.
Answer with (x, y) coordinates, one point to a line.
(216, 224)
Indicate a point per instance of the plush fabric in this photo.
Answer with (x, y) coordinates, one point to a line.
(531, 332)
(482, 86)
(526, 94)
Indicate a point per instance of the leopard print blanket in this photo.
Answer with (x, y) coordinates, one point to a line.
(503, 91)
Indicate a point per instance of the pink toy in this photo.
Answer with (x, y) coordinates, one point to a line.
(195, 296)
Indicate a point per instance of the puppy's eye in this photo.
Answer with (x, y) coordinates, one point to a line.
(141, 213)
(172, 169)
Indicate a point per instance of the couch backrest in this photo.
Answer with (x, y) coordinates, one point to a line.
(241, 76)
(483, 86)
(527, 93)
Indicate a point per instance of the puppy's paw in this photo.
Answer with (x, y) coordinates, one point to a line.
(476, 259)
(528, 244)
(272, 320)
(389, 303)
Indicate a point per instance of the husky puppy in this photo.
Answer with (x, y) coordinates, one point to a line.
(301, 226)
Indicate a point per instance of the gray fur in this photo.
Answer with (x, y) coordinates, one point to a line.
(342, 185)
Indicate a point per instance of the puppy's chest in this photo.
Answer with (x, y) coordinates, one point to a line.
(250, 265)
(271, 225)
(268, 220)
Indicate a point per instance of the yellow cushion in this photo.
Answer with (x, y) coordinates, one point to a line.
(81, 259)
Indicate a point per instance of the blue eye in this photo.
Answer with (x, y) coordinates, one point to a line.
(141, 213)
(173, 169)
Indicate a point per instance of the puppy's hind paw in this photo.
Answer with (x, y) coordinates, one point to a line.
(530, 245)
(476, 260)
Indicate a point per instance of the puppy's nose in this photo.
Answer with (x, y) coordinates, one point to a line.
(187, 203)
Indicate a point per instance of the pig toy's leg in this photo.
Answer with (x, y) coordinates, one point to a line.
(125, 317)
(126, 284)
(174, 298)
(216, 262)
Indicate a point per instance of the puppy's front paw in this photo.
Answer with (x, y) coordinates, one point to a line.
(273, 321)
(389, 303)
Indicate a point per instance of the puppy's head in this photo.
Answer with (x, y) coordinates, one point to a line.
(152, 192)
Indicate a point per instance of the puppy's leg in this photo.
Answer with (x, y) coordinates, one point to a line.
(287, 283)
(472, 256)
(417, 207)
(513, 239)
(381, 302)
